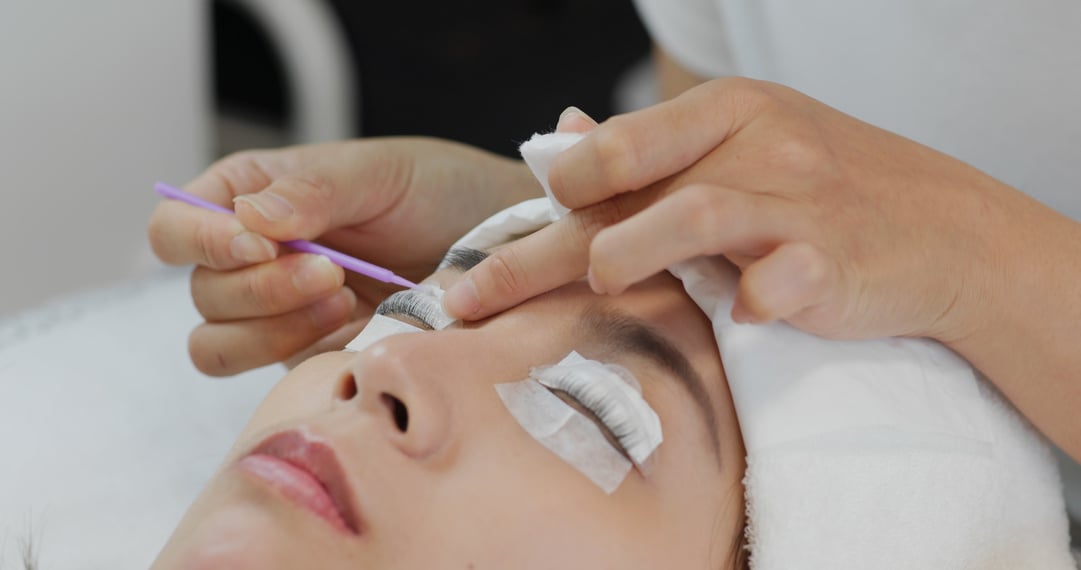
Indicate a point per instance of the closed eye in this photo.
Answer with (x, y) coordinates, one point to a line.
(421, 309)
(591, 416)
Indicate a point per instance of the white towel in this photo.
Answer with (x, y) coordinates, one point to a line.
(877, 454)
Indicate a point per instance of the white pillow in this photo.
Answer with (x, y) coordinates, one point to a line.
(108, 431)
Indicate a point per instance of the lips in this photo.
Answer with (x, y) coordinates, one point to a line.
(307, 472)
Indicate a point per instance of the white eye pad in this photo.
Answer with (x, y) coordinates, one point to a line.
(565, 432)
(378, 328)
(613, 394)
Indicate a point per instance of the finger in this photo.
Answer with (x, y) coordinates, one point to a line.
(793, 278)
(237, 174)
(537, 263)
(699, 219)
(305, 208)
(573, 120)
(181, 234)
(281, 286)
(632, 151)
(223, 349)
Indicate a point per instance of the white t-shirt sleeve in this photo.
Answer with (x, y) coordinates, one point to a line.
(691, 32)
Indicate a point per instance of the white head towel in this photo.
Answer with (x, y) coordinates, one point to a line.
(872, 454)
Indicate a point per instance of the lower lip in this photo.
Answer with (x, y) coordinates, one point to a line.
(296, 484)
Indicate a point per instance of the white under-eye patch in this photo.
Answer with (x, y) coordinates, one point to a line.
(378, 328)
(565, 432)
(613, 394)
(610, 392)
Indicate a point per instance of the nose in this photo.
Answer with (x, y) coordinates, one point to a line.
(400, 390)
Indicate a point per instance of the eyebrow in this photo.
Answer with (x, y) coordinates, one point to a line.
(624, 332)
(463, 258)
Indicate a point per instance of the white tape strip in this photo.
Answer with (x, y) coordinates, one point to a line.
(565, 432)
(614, 395)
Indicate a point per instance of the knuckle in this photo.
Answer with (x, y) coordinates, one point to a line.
(205, 239)
(706, 211)
(618, 155)
(588, 222)
(261, 294)
(507, 272)
(743, 89)
(800, 155)
(199, 284)
(240, 172)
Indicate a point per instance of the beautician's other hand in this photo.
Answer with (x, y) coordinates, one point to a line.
(396, 202)
(841, 228)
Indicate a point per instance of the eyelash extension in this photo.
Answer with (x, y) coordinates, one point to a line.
(614, 397)
(423, 304)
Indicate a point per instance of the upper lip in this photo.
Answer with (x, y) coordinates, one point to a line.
(319, 459)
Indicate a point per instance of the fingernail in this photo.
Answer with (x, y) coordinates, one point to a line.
(269, 205)
(461, 299)
(568, 114)
(333, 311)
(315, 274)
(251, 247)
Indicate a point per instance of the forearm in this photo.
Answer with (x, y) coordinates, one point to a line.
(1024, 331)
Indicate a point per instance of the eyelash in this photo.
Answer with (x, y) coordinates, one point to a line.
(421, 304)
(604, 404)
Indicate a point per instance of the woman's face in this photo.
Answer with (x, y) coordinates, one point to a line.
(433, 471)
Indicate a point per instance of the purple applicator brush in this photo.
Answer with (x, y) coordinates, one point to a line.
(351, 263)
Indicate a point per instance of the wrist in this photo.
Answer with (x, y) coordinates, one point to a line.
(1023, 245)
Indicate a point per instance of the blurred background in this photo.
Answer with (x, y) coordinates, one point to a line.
(101, 99)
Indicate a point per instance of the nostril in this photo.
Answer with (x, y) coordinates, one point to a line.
(347, 387)
(397, 410)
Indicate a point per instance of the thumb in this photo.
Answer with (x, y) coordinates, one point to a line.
(299, 208)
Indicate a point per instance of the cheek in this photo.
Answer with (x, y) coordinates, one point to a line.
(526, 508)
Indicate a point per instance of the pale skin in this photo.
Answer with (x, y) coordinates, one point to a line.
(840, 228)
(396, 202)
(463, 486)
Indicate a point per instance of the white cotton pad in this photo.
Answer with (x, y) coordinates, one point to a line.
(539, 152)
(565, 432)
(611, 383)
(378, 328)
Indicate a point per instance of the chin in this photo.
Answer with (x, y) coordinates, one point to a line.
(237, 537)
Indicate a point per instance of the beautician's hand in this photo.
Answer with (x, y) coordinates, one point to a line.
(840, 228)
(843, 229)
(395, 202)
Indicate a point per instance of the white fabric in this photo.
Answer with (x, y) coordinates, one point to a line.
(996, 83)
(108, 430)
(872, 454)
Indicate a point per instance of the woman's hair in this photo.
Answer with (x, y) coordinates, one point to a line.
(28, 552)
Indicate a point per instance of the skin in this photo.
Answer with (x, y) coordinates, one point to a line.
(839, 228)
(465, 486)
(263, 304)
(842, 229)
